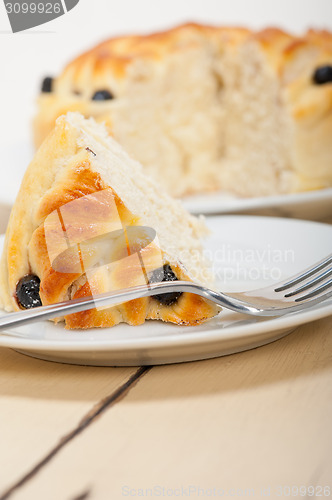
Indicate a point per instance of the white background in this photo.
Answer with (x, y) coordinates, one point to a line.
(26, 57)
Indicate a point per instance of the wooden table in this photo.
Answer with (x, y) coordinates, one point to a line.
(255, 424)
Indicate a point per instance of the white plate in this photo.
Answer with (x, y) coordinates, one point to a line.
(313, 205)
(249, 252)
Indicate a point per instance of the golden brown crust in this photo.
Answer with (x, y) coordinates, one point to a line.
(23, 220)
(80, 183)
(188, 310)
(111, 58)
(60, 231)
(106, 66)
(116, 54)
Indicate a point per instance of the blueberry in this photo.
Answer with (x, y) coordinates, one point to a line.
(27, 292)
(323, 74)
(165, 273)
(102, 95)
(47, 84)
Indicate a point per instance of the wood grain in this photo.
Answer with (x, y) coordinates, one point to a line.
(253, 420)
(41, 402)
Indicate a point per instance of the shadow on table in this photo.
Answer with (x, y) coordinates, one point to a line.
(28, 377)
(300, 354)
(303, 353)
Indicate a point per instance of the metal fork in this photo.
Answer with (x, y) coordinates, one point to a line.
(304, 290)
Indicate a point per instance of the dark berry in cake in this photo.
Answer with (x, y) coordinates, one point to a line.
(102, 95)
(47, 84)
(323, 74)
(165, 274)
(27, 292)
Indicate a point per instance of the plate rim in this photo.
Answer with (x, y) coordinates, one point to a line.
(234, 203)
(289, 321)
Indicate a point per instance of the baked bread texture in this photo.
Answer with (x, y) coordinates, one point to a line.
(206, 108)
(88, 220)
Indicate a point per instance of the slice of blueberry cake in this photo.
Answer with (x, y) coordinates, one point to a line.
(87, 220)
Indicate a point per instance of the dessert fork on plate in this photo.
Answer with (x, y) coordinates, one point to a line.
(306, 289)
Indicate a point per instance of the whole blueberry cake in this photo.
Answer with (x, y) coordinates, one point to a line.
(209, 108)
(88, 220)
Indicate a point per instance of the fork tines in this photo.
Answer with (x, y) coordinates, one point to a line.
(318, 278)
